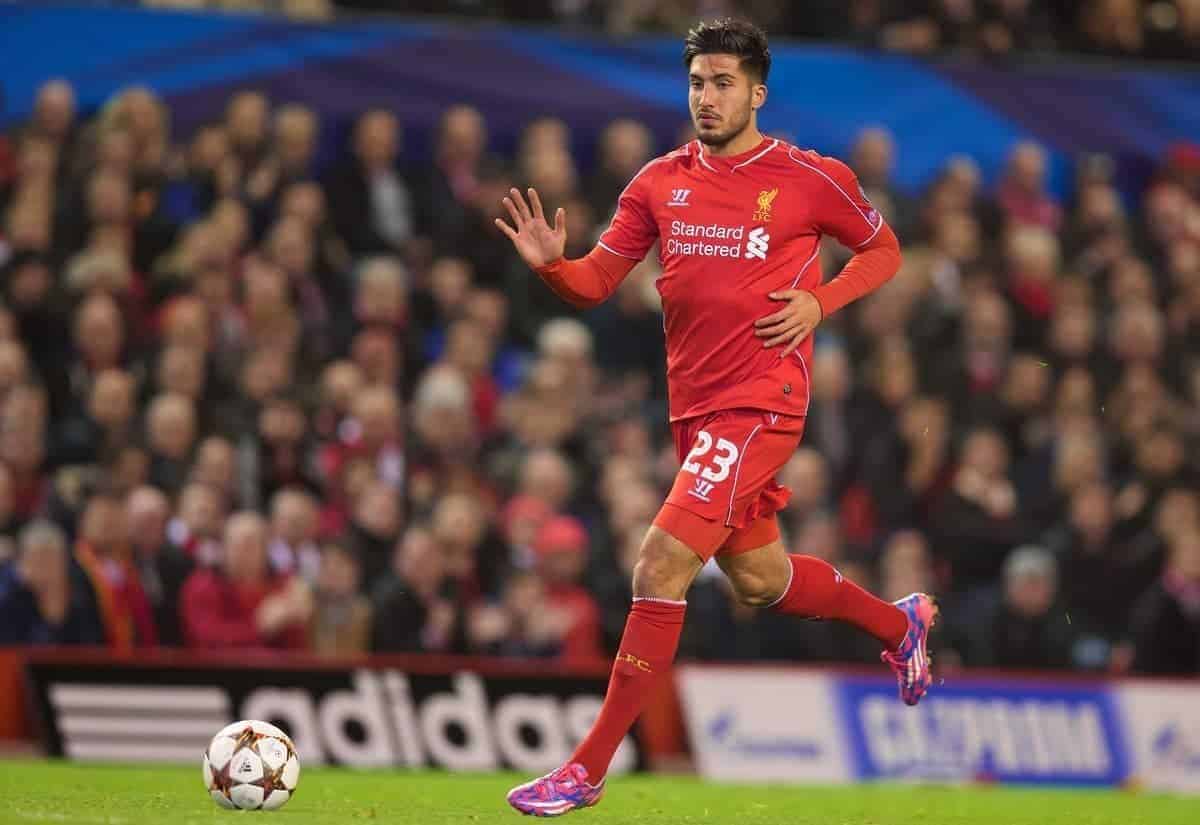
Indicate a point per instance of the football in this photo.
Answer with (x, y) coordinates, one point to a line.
(251, 765)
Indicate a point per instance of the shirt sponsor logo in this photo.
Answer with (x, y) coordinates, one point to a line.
(762, 214)
(718, 231)
(705, 233)
(757, 243)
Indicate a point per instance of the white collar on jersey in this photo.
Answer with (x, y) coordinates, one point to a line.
(748, 161)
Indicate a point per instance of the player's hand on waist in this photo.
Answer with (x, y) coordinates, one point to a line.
(537, 242)
(793, 323)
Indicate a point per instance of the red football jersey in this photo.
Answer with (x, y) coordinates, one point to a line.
(731, 230)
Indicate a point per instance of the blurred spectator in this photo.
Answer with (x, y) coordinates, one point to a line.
(41, 602)
(277, 455)
(561, 545)
(246, 122)
(196, 528)
(53, 118)
(1026, 627)
(1166, 622)
(216, 465)
(341, 616)
(97, 432)
(370, 199)
(872, 159)
(103, 551)
(410, 609)
(625, 147)
(374, 527)
(1102, 574)
(475, 558)
(828, 429)
(1022, 194)
(979, 519)
(1112, 27)
(241, 603)
(546, 475)
(907, 469)
(170, 434)
(451, 189)
(293, 547)
(162, 567)
(807, 475)
(906, 566)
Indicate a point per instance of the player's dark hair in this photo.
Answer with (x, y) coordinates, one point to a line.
(730, 36)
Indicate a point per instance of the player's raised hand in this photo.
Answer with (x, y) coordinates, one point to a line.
(537, 242)
(793, 323)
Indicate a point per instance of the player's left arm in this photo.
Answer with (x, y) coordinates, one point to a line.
(846, 214)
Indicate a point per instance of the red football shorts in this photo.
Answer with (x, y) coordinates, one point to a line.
(725, 494)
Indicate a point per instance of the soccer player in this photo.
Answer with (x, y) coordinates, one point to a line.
(739, 219)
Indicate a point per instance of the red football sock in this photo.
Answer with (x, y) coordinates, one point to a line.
(646, 652)
(817, 590)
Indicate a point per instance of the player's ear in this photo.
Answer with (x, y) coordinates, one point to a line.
(758, 96)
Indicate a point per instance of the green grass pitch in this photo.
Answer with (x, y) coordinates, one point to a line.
(56, 792)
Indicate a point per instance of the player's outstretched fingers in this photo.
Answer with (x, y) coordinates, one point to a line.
(506, 229)
(521, 205)
(512, 210)
(536, 203)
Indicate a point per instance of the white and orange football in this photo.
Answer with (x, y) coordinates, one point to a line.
(251, 765)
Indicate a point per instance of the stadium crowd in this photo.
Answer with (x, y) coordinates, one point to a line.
(1142, 29)
(201, 356)
(1011, 422)
(204, 344)
(1146, 29)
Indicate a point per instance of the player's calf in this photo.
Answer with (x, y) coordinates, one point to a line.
(759, 577)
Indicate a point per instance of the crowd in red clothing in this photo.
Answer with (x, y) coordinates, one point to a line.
(204, 343)
(200, 373)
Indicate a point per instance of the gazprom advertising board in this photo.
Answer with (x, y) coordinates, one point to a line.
(779, 724)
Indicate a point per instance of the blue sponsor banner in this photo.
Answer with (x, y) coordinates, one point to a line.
(1013, 732)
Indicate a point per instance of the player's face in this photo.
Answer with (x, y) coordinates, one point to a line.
(722, 97)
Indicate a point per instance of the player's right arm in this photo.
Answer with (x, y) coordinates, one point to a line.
(588, 281)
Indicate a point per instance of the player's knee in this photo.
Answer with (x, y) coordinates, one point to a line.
(665, 567)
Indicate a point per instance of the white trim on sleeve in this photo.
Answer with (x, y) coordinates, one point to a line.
(603, 245)
(845, 195)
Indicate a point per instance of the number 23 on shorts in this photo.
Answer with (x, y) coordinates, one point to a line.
(732, 458)
(709, 470)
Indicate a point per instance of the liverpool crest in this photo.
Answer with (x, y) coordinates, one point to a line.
(765, 199)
